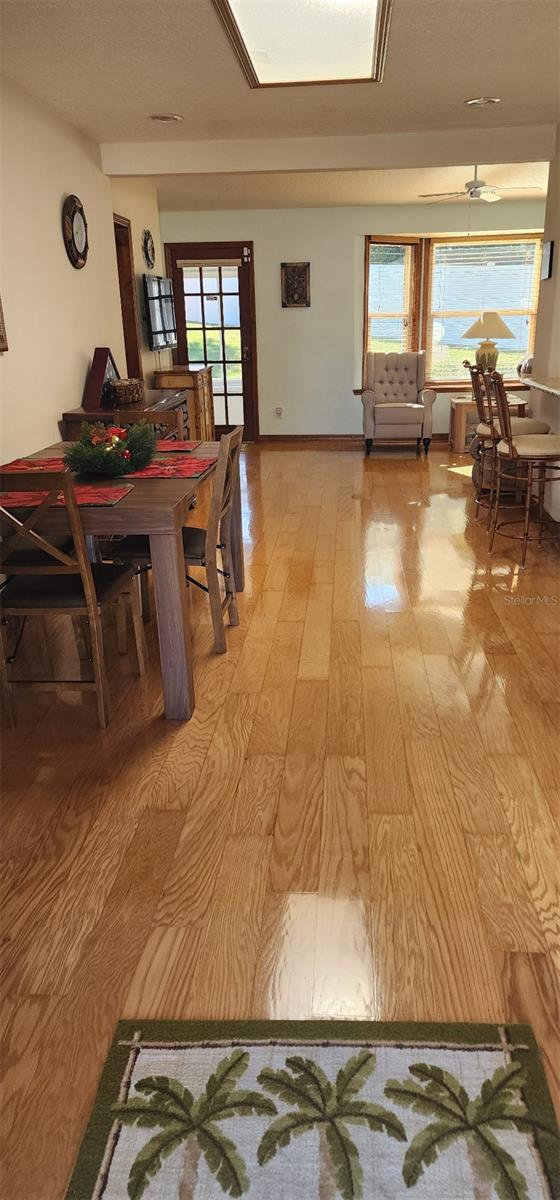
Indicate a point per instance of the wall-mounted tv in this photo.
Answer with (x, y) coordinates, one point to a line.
(160, 312)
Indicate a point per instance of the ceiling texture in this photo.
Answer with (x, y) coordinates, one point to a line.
(106, 65)
(319, 189)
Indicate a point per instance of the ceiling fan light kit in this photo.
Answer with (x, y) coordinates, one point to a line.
(488, 326)
(475, 189)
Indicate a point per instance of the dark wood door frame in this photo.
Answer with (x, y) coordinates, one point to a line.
(242, 251)
(129, 296)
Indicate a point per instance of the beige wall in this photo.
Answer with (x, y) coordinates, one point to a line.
(377, 151)
(55, 315)
(547, 340)
(310, 359)
(137, 200)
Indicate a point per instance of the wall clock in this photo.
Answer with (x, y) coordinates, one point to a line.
(74, 231)
(148, 249)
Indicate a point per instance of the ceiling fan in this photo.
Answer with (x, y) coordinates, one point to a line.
(476, 189)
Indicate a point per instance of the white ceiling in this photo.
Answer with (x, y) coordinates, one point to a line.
(105, 65)
(316, 189)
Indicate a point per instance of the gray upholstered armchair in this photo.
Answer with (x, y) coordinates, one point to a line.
(397, 406)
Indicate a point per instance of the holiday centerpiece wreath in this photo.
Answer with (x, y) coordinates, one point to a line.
(111, 450)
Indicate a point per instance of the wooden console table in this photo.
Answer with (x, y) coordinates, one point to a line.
(154, 401)
(199, 397)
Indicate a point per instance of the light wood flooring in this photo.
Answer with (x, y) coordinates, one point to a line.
(357, 822)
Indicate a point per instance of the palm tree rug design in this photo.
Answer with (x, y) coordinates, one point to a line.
(320, 1110)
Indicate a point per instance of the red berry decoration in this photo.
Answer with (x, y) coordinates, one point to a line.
(112, 450)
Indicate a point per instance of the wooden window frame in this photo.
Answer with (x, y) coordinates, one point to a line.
(453, 385)
(417, 260)
(422, 291)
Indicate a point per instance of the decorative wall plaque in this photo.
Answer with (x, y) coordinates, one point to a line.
(295, 285)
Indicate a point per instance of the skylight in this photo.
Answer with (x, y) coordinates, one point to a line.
(281, 42)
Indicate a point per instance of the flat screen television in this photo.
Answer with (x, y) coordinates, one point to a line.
(160, 312)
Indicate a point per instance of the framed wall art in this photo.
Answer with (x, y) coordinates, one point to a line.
(295, 285)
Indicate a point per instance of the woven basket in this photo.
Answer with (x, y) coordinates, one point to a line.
(123, 392)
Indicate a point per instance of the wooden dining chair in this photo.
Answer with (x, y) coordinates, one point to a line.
(167, 420)
(201, 546)
(489, 433)
(47, 577)
(487, 438)
(539, 456)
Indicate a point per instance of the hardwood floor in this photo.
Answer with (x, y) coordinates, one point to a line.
(357, 822)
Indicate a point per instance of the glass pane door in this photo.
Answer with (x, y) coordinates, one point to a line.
(213, 334)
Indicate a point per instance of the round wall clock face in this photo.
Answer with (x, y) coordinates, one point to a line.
(79, 231)
(148, 249)
(74, 231)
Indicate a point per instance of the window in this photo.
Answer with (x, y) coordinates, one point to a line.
(465, 279)
(391, 296)
(307, 41)
(458, 279)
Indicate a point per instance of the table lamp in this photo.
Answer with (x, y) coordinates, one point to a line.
(488, 326)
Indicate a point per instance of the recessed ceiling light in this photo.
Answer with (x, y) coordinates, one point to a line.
(482, 101)
(165, 118)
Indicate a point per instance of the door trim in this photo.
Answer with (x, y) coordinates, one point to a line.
(129, 309)
(175, 251)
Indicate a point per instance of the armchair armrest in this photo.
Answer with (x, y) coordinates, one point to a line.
(427, 397)
(368, 402)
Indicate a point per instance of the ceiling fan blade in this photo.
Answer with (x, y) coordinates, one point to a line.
(534, 188)
(449, 199)
(439, 195)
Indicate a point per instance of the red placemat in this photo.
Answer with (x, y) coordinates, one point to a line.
(34, 464)
(98, 496)
(169, 447)
(189, 468)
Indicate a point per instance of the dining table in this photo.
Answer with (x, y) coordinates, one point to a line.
(160, 507)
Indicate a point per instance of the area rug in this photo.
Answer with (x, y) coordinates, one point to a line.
(320, 1110)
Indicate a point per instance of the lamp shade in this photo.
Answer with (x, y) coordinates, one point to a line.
(488, 325)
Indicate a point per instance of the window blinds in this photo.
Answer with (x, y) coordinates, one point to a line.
(467, 278)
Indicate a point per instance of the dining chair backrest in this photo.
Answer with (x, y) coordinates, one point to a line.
(476, 389)
(495, 382)
(225, 482)
(26, 551)
(170, 419)
(482, 396)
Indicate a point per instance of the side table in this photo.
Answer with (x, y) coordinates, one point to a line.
(460, 407)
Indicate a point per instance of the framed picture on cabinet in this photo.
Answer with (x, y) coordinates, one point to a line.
(102, 371)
